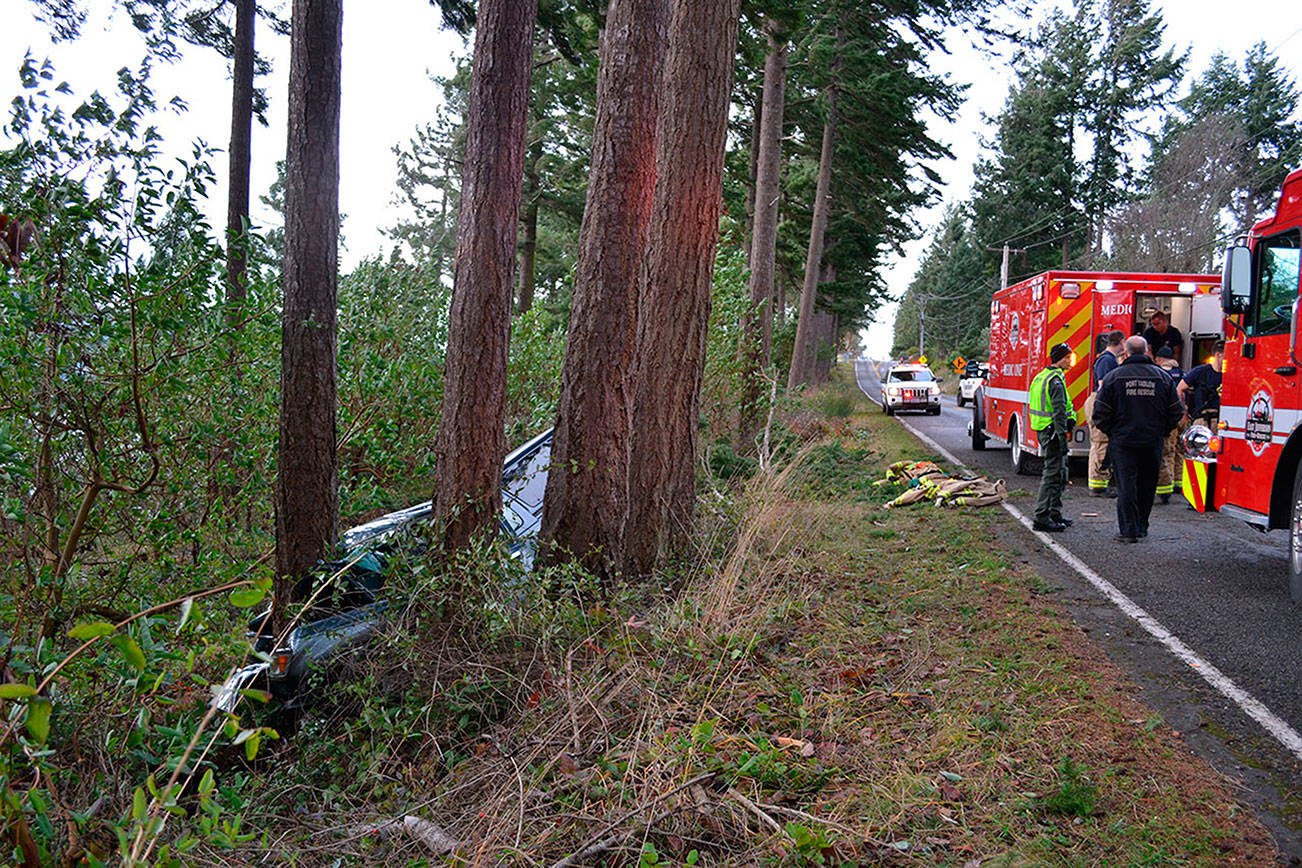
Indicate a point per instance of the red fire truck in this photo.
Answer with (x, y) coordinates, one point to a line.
(1073, 307)
(1249, 468)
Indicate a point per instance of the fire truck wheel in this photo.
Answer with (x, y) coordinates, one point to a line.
(1295, 540)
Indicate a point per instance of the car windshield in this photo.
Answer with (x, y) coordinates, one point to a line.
(911, 376)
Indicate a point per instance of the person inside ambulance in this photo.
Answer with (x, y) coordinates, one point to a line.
(1200, 389)
(1160, 333)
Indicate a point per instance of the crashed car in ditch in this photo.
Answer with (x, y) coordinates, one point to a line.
(354, 608)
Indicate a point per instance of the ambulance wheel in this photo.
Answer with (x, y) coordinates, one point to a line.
(1295, 540)
(1022, 460)
(977, 426)
(978, 436)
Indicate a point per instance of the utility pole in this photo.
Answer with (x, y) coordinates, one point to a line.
(1003, 269)
(922, 326)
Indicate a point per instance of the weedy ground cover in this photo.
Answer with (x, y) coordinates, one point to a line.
(832, 683)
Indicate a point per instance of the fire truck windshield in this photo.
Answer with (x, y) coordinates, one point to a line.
(1280, 260)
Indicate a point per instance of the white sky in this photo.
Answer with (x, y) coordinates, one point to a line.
(1202, 26)
(391, 47)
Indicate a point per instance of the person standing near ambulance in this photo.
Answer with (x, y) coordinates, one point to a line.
(1200, 389)
(1136, 407)
(1052, 418)
(1100, 472)
(1165, 359)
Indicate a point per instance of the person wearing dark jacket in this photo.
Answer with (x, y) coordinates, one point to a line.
(1100, 466)
(1136, 406)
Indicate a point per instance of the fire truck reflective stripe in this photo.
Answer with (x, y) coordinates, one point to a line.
(1193, 483)
(1018, 395)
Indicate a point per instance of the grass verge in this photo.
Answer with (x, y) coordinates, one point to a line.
(836, 683)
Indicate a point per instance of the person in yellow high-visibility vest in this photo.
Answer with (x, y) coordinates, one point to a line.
(1052, 417)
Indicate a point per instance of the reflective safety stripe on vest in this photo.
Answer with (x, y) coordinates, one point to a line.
(1039, 405)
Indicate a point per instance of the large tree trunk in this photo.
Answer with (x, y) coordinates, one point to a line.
(824, 333)
(237, 200)
(471, 440)
(529, 231)
(307, 497)
(756, 124)
(758, 322)
(585, 503)
(826, 346)
(802, 355)
(674, 308)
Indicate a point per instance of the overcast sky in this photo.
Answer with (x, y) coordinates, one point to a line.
(392, 47)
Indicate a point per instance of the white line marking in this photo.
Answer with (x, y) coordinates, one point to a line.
(1251, 706)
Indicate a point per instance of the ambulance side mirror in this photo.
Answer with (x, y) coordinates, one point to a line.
(1236, 280)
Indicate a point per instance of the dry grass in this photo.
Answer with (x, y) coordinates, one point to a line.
(837, 684)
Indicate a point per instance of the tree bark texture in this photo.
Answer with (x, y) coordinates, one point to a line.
(529, 231)
(237, 199)
(307, 497)
(674, 307)
(824, 333)
(758, 322)
(471, 440)
(756, 124)
(802, 354)
(826, 350)
(585, 502)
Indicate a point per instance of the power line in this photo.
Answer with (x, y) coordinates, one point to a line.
(1253, 137)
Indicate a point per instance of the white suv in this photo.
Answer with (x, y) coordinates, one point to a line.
(973, 375)
(911, 387)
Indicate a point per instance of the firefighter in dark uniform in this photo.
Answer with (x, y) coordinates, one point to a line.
(1136, 407)
(1052, 417)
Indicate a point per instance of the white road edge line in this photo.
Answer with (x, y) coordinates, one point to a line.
(1250, 705)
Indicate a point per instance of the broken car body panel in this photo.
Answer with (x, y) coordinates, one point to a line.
(312, 646)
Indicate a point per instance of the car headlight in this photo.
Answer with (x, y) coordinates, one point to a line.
(1197, 442)
(893, 390)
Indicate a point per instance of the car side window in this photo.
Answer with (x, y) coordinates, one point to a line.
(1279, 262)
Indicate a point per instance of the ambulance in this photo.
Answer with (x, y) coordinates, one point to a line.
(1250, 467)
(1074, 307)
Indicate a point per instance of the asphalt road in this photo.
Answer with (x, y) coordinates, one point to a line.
(1217, 584)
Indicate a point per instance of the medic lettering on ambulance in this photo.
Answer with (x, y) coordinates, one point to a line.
(1014, 370)
(1116, 309)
